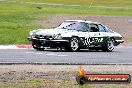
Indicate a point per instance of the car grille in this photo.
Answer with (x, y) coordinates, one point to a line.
(43, 37)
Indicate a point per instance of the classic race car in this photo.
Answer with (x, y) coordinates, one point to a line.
(73, 35)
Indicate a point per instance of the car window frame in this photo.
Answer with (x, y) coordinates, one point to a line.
(102, 27)
(90, 27)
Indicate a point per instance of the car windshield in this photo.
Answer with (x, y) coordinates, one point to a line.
(108, 29)
(78, 26)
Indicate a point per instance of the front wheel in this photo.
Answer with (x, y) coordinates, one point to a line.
(73, 45)
(37, 47)
(109, 46)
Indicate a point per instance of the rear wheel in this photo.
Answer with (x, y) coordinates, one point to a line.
(73, 45)
(109, 46)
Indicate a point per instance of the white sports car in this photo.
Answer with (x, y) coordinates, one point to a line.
(73, 35)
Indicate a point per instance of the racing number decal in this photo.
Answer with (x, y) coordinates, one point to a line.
(86, 40)
(89, 40)
(96, 40)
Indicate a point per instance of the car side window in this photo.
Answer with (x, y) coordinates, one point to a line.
(84, 27)
(94, 28)
(101, 28)
(78, 26)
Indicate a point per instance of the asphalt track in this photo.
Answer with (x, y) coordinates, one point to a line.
(121, 55)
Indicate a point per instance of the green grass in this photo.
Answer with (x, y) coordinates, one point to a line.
(34, 83)
(16, 19)
(15, 22)
(40, 83)
(59, 85)
(122, 3)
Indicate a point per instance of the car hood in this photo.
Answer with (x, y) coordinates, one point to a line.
(51, 32)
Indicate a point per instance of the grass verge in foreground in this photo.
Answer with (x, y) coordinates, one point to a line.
(56, 76)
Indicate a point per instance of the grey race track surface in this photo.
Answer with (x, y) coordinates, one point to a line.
(120, 55)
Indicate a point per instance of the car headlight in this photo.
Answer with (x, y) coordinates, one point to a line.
(58, 36)
(31, 34)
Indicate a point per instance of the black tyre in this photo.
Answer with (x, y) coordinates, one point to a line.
(37, 47)
(109, 45)
(73, 45)
(40, 49)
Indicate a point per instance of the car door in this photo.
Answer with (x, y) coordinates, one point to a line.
(96, 36)
(104, 34)
(83, 34)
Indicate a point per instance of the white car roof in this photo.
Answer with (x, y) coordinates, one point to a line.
(83, 21)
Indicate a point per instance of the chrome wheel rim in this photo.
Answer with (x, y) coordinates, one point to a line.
(110, 45)
(74, 44)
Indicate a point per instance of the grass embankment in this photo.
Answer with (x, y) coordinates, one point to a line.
(17, 19)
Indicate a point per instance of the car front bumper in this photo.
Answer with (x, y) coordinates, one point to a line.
(120, 41)
(117, 42)
(49, 43)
